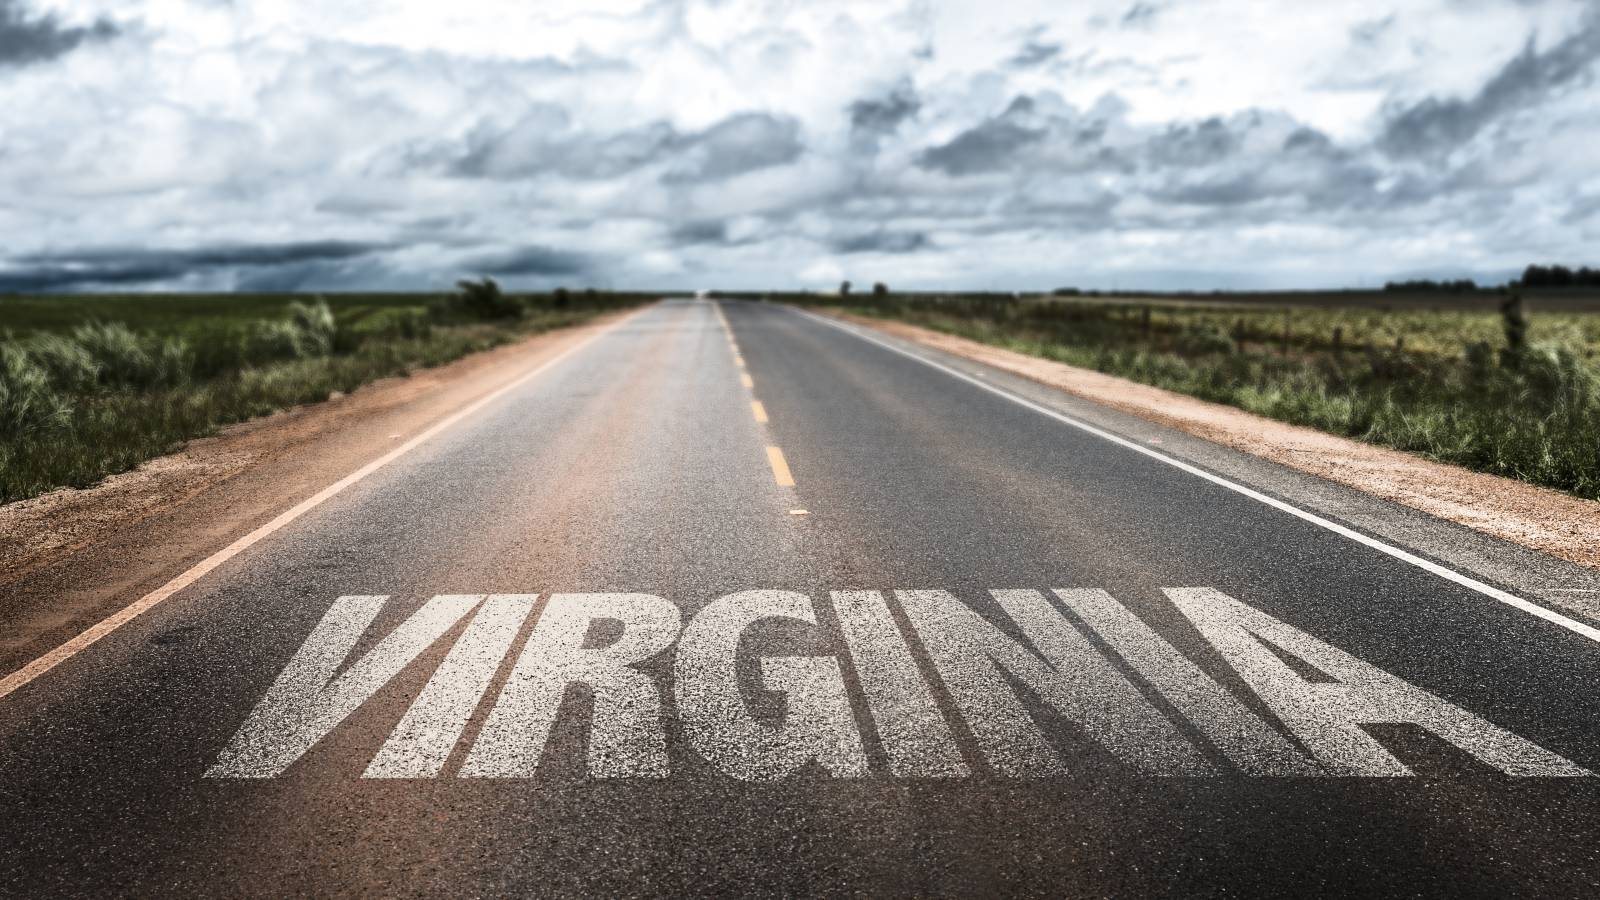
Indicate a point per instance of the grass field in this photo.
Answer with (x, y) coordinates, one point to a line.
(94, 385)
(1515, 395)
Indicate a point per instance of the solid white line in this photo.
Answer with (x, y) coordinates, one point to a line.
(1512, 600)
(132, 611)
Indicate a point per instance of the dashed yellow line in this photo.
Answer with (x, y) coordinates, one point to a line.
(780, 467)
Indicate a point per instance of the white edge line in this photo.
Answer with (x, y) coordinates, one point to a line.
(1512, 600)
(66, 651)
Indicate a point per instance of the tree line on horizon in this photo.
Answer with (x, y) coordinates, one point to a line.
(1532, 277)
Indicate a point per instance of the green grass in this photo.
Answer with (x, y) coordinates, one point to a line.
(1441, 383)
(92, 386)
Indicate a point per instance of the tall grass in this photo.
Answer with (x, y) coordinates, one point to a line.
(1502, 393)
(104, 397)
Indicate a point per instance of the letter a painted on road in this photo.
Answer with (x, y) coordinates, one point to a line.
(1327, 716)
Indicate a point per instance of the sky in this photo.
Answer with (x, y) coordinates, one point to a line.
(679, 144)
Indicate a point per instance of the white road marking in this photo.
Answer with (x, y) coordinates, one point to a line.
(308, 701)
(974, 658)
(625, 736)
(1327, 716)
(915, 736)
(422, 742)
(981, 666)
(1249, 742)
(111, 623)
(818, 725)
(1509, 599)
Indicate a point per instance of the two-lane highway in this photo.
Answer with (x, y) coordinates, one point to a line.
(732, 598)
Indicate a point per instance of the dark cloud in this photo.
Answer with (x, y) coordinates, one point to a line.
(876, 117)
(736, 145)
(1371, 31)
(543, 143)
(532, 259)
(1308, 140)
(1034, 53)
(1436, 125)
(26, 39)
(987, 147)
(131, 266)
(1142, 13)
(882, 242)
(1193, 144)
(704, 232)
(1233, 190)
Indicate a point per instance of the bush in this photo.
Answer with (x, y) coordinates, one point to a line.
(316, 326)
(70, 367)
(28, 403)
(480, 300)
(128, 360)
(1202, 339)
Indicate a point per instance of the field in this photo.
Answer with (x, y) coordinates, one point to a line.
(94, 385)
(1514, 393)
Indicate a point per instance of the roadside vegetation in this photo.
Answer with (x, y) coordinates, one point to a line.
(93, 385)
(1513, 392)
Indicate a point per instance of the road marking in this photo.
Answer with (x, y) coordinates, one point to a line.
(745, 378)
(1466, 581)
(780, 467)
(1327, 715)
(1038, 703)
(799, 512)
(626, 739)
(128, 613)
(818, 727)
(915, 735)
(738, 361)
(759, 411)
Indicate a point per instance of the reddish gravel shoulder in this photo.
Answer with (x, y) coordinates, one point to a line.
(1551, 522)
(258, 466)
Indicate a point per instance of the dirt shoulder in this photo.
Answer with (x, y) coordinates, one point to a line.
(65, 555)
(1554, 523)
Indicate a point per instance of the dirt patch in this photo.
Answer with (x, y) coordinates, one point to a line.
(1560, 525)
(37, 532)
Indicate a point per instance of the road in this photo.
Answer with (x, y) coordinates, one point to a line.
(731, 599)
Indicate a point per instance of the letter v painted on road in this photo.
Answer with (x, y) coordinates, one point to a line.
(309, 700)
(33, 670)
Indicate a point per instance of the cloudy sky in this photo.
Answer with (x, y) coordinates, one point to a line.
(1007, 144)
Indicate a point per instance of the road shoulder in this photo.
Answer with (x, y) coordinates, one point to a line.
(67, 556)
(1533, 539)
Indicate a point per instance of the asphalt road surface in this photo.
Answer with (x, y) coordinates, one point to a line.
(730, 599)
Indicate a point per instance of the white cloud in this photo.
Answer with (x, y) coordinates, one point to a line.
(762, 143)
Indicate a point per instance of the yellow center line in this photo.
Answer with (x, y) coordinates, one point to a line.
(759, 410)
(747, 380)
(780, 467)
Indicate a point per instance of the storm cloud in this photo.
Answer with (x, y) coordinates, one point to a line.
(125, 266)
(1523, 83)
(27, 38)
